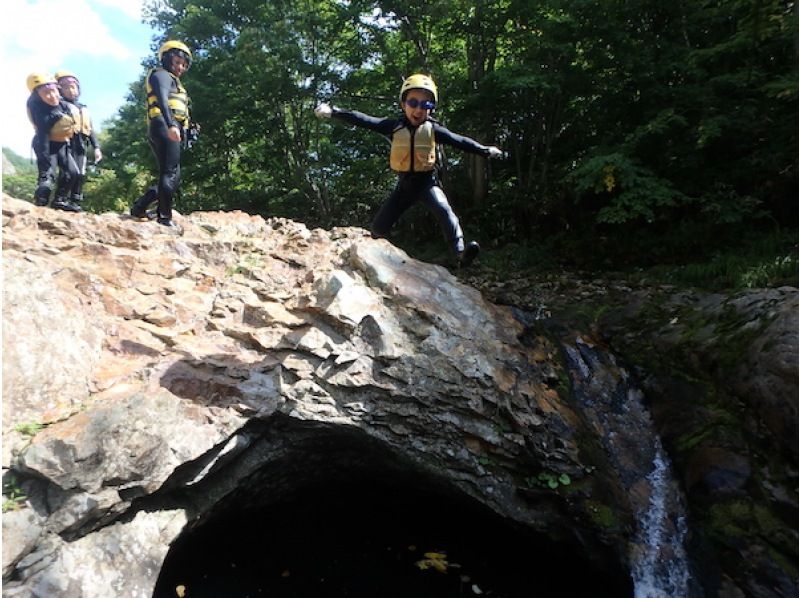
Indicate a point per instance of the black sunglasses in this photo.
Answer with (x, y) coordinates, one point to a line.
(424, 104)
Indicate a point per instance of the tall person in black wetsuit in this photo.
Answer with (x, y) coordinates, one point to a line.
(413, 155)
(84, 135)
(168, 120)
(54, 127)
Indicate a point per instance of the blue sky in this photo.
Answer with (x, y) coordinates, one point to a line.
(102, 41)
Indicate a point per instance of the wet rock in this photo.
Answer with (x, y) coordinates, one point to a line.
(720, 374)
(718, 471)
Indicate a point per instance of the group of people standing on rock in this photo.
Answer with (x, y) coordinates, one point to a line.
(63, 132)
(414, 136)
(63, 129)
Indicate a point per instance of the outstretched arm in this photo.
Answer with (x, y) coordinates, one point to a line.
(467, 144)
(385, 126)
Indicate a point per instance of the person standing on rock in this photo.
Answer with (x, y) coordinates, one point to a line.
(70, 89)
(54, 127)
(168, 122)
(413, 156)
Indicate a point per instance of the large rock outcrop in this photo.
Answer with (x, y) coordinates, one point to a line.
(720, 373)
(153, 382)
(245, 358)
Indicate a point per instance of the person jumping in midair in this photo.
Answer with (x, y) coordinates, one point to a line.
(413, 156)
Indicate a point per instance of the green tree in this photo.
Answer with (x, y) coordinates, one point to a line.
(634, 121)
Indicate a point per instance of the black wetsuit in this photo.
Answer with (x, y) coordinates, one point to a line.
(416, 186)
(78, 145)
(166, 151)
(51, 156)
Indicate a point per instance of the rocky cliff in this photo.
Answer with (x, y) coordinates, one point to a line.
(154, 383)
(150, 378)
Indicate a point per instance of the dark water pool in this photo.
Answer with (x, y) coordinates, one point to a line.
(362, 539)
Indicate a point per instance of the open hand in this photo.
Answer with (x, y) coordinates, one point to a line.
(323, 110)
(496, 152)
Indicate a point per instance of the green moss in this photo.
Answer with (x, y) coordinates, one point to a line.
(789, 565)
(736, 521)
(729, 520)
(739, 518)
(563, 385)
(689, 441)
(601, 515)
(775, 531)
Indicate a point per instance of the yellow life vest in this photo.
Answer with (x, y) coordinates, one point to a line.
(418, 143)
(63, 129)
(77, 116)
(178, 100)
(83, 122)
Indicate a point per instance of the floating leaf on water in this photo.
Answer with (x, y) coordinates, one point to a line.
(436, 555)
(437, 560)
(180, 591)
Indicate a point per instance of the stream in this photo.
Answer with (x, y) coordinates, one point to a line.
(612, 403)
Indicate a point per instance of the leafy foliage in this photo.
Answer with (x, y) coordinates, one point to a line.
(21, 165)
(634, 121)
(634, 191)
(20, 179)
(19, 185)
(13, 496)
(29, 428)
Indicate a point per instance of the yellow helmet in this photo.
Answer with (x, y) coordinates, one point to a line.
(173, 46)
(419, 81)
(34, 80)
(61, 74)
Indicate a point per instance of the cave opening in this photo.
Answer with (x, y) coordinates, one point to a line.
(350, 522)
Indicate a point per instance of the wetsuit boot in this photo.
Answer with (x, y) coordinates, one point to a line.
(139, 207)
(170, 226)
(469, 254)
(62, 203)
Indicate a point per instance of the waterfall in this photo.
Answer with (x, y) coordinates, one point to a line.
(661, 569)
(605, 390)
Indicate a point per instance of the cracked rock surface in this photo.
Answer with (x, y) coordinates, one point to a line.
(172, 373)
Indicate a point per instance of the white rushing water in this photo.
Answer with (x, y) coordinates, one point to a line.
(661, 569)
(658, 559)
